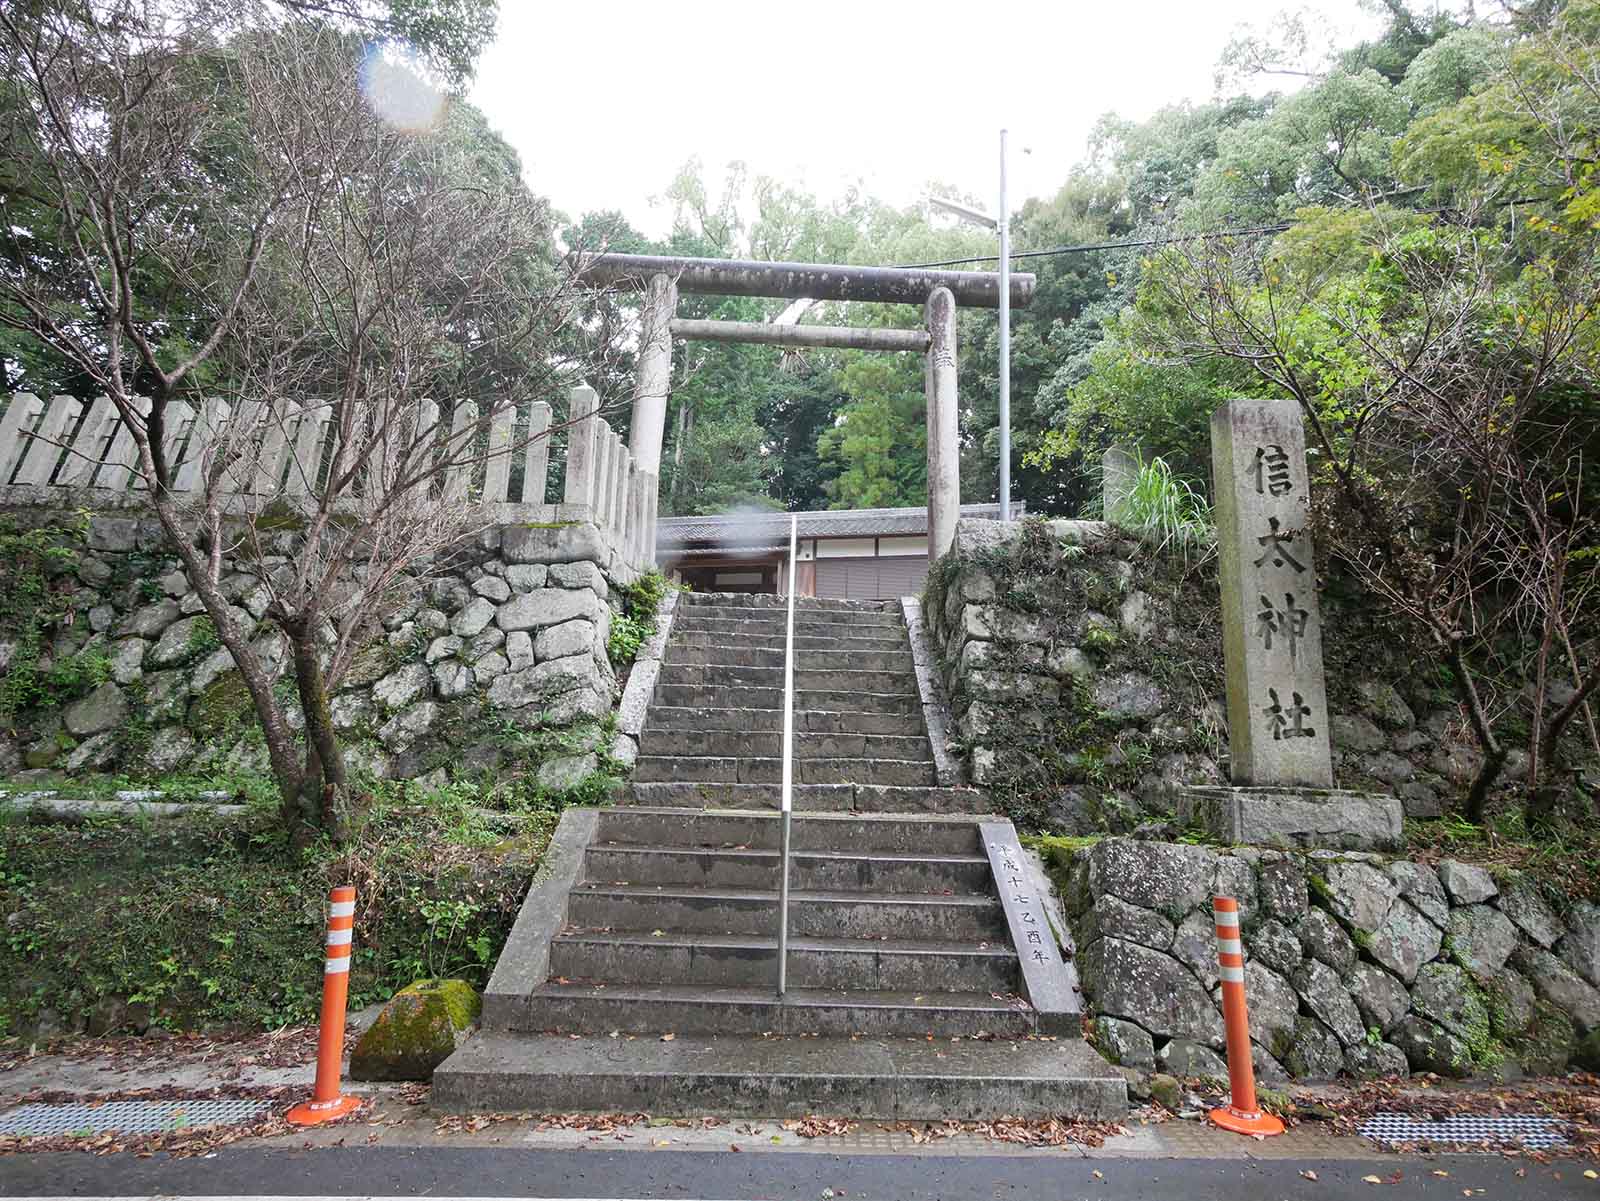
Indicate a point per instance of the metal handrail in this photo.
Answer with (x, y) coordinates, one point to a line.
(788, 771)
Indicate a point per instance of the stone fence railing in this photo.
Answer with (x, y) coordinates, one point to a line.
(68, 452)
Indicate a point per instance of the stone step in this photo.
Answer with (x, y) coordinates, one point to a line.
(864, 641)
(679, 769)
(803, 615)
(739, 697)
(694, 1009)
(805, 679)
(757, 601)
(770, 744)
(808, 627)
(925, 834)
(725, 654)
(823, 798)
(747, 961)
(841, 914)
(744, 867)
(663, 717)
(889, 1079)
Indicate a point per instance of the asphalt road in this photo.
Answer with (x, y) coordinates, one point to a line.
(443, 1172)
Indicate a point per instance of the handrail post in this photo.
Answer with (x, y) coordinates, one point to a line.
(788, 771)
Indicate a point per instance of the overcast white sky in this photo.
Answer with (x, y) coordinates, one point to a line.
(605, 100)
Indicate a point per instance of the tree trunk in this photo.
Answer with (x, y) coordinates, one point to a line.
(325, 791)
(281, 753)
(1541, 683)
(1494, 755)
(1577, 678)
(677, 453)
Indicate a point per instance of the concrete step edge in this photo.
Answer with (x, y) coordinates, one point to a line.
(769, 897)
(820, 820)
(865, 998)
(906, 857)
(810, 942)
(752, 1076)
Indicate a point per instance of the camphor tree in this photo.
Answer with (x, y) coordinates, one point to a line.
(250, 216)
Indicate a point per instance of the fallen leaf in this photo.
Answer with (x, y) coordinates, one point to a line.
(1309, 1174)
(1440, 1172)
(1590, 1174)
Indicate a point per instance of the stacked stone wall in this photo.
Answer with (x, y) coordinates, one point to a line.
(1353, 963)
(1086, 681)
(508, 632)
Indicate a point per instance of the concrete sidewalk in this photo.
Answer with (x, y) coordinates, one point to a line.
(280, 1066)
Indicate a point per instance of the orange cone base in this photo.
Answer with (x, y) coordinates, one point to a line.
(1246, 1123)
(314, 1113)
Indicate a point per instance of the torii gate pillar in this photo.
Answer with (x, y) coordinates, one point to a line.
(944, 450)
(653, 374)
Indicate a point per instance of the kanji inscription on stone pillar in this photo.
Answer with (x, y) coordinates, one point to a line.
(1271, 625)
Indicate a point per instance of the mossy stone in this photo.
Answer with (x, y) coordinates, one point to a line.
(1166, 1091)
(1546, 1047)
(416, 1032)
(1587, 1054)
(221, 707)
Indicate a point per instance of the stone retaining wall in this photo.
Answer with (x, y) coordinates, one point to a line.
(1085, 676)
(512, 628)
(1354, 963)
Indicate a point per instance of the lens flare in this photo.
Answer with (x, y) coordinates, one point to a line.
(395, 84)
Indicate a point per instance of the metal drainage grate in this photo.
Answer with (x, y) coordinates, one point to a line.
(1535, 1133)
(129, 1117)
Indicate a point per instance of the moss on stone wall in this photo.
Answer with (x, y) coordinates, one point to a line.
(1086, 676)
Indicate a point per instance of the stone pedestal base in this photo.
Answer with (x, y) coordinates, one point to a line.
(1309, 818)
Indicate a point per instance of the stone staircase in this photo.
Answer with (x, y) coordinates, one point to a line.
(906, 997)
(714, 732)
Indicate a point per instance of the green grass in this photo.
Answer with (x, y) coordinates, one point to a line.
(1165, 512)
(210, 923)
(1565, 857)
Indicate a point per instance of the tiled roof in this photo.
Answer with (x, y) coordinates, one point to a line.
(762, 529)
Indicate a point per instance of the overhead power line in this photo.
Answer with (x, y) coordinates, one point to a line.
(1055, 250)
(1509, 202)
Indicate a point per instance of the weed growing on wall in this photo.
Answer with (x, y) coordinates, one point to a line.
(1166, 513)
(35, 606)
(637, 621)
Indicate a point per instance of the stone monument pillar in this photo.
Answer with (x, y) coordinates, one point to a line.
(1271, 626)
(1281, 766)
(944, 443)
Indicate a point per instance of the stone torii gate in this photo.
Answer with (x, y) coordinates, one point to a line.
(662, 278)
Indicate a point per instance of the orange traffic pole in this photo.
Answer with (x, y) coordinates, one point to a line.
(1242, 1114)
(326, 1103)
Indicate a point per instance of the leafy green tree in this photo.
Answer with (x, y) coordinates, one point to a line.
(236, 222)
(880, 439)
(797, 406)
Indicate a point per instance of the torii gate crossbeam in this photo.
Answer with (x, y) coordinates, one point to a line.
(662, 277)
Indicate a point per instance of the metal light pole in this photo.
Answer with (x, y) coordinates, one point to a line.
(1004, 226)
